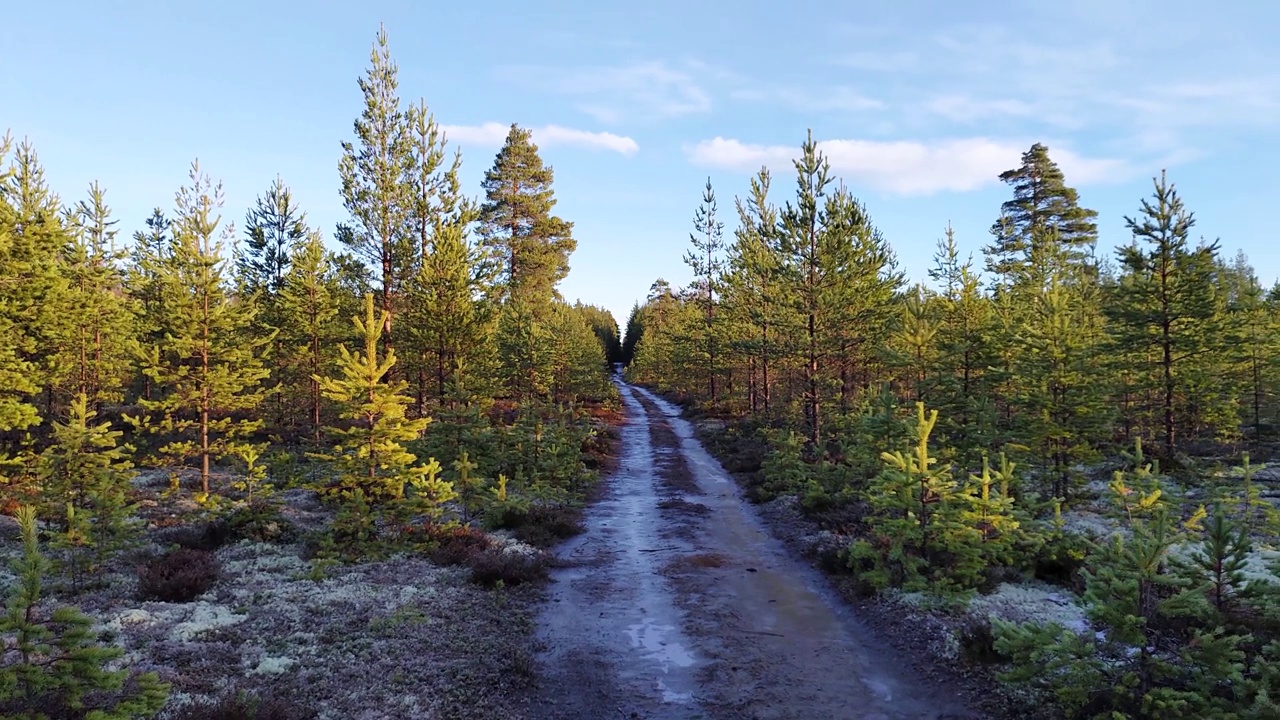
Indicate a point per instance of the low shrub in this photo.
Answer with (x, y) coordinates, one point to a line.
(179, 575)
(494, 566)
(542, 524)
(208, 536)
(454, 544)
(243, 706)
(260, 521)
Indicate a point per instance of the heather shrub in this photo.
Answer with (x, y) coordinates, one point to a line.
(179, 575)
(456, 544)
(494, 566)
(244, 706)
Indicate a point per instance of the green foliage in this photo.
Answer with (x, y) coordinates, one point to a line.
(84, 475)
(206, 367)
(531, 245)
(369, 457)
(927, 530)
(1148, 659)
(310, 330)
(1166, 312)
(373, 171)
(51, 666)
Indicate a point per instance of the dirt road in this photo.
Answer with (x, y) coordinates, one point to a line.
(676, 603)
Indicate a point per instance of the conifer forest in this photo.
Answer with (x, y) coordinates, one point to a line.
(263, 470)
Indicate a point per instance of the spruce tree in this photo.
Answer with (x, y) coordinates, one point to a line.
(705, 261)
(1165, 304)
(374, 191)
(272, 229)
(208, 365)
(516, 225)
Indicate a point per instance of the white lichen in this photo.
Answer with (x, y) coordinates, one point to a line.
(1030, 602)
(205, 617)
(273, 665)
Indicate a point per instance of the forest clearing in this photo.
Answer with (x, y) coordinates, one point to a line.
(254, 473)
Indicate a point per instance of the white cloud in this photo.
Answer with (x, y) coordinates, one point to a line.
(909, 167)
(651, 89)
(493, 134)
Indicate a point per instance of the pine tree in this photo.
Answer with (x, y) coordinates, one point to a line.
(754, 292)
(103, 345)
(924, 527)
(1216, 569)
(579, 357)
(1042, 229)
(913, 344)
(1062, 402)
(842, 275)
(1256, 340)
(310, 326)
(84, 476)
(966, 353)
(524, 346)
(374, 190)
(704, 259)
(17, 384)
(58, 669)
(36, 287)
(369, 456)
(208, 364)
(449, 319)
(1165, 302)
(150, 253)
(532, 245)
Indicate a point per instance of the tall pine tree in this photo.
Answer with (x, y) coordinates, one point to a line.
(532, 245)
(208, 364)
(705, 261)
(1165, 309)
(373, 170)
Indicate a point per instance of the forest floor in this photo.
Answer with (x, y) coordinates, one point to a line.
(401, 637)
(678, 602)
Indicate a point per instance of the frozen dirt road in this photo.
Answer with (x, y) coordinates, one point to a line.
(676, 603)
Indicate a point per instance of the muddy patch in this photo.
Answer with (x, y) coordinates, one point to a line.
(683, 506)
(671, 464)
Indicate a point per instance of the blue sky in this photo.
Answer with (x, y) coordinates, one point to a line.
(920, 105)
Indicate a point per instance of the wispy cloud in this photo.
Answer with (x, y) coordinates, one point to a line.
(816, 100)
(908, 167)
(610, 94)
(1146, 87)
(493, 134)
